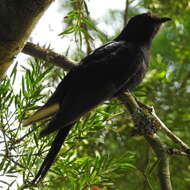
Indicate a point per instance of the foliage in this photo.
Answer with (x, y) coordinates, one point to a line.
(99, 151)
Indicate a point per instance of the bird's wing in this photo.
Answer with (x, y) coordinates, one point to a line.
(97, 78)
(53, 104)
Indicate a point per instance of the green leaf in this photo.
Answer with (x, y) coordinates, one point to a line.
(68, 31)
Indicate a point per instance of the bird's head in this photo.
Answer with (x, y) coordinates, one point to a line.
(142, 28)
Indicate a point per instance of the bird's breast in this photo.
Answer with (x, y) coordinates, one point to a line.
(132, 75)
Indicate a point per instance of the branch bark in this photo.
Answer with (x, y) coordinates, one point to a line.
(18, 19)
(163, 166)
(158, 147)
(48, 56)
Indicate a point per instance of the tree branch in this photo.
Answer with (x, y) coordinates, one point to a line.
(163, 166)
(169, 133)
(161, 152)
(133, 105)
(174, 151)
(48, 56)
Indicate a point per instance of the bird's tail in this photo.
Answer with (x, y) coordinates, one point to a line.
(43, 113)
(55, 147)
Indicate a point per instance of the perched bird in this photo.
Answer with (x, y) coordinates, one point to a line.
(111, 69)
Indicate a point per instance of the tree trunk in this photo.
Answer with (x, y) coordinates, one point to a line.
(17, 20)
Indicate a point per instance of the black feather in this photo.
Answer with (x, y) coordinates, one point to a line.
(55, 147)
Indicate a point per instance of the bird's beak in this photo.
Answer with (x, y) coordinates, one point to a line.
(165, 19)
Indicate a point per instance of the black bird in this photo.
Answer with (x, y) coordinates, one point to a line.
(108, 71)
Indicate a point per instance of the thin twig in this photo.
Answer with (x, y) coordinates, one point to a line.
(174, 151)
(169, 133)
(126, 12)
